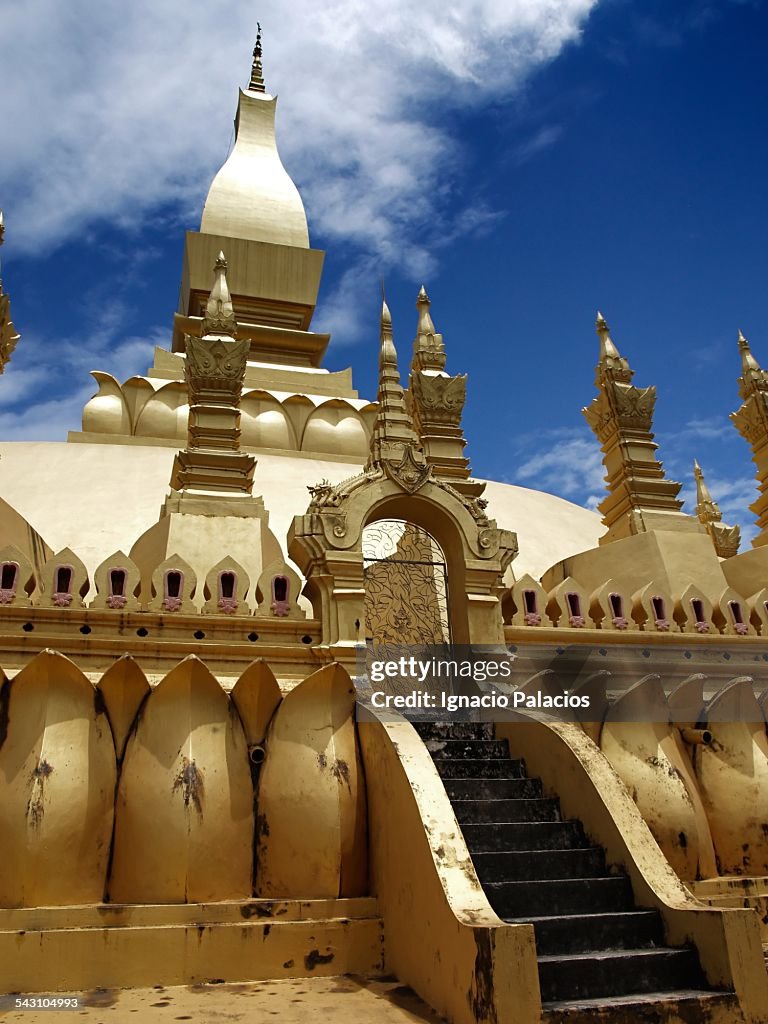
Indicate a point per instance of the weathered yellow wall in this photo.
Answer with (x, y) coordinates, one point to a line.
(441, 936)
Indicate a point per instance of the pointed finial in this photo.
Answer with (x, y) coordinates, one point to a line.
(2, 227)
(753, 377)
(428, 348)
(748, 361)
(219, 316)
(707, 509)
(610, 359)
(257, 72)
(387, 351)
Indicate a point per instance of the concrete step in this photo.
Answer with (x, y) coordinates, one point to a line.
(530, 865)
(468, 749)
(528, 835)
(618, 972)
(505, 811)
(493, 789)
(676, 1007)
(584, 933)
(560, 896)
(137, 946)
(503, 768)
(454, 730)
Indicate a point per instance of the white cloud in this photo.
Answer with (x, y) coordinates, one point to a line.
(570, 468)
(111, 111)
(38, 403)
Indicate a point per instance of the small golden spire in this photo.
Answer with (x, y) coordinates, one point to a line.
(393, 429)
(219, 316)
(707, 509)
(610, 357)
(753, 376)
(257, 72)
(2, 227)
(428, 348)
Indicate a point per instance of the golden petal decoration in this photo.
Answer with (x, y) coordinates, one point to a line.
(57, 787)
(184, 813)
(256, 694)
(733, 777)
(123, 688)
(311, 823)
(649, 758)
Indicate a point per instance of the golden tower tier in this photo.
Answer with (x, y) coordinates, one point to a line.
(639, 498)
(436, 402)
(212, 463)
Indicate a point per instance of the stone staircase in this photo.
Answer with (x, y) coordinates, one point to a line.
(600, 956)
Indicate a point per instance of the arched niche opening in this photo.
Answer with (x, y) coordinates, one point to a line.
(427, 526)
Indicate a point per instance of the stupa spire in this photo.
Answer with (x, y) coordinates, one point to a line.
(751, 421)
(436, 402)
(610, 359)
(639, 498)
(753, 376)
(256, 83)
(428, 348)
(219, 316)
(707, 510)
(212, 463)
(726, 539)
(393, 433)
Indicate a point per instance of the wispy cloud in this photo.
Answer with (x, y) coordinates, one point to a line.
(568, 466)
(38, 404)
(542, 139)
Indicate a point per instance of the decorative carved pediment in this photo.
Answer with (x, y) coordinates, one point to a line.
(410, 473)
(215, 365)
(438, 399)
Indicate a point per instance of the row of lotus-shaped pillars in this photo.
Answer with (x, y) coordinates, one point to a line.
(178, 794)
(698, 770)
(227, 589)
(650, 609)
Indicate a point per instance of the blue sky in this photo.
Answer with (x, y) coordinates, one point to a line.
(530, 162)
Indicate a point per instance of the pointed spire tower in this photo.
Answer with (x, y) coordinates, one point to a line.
(255, 213)
(9, 337)
(751, 421)
(726, 539)
(436, 402)
(212, 467)
(639, 498)
(393, 435)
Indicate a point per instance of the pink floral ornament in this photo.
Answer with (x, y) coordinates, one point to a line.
(280, 608)
(702, 627)
(228, 605)
(620, 622)
(741, 628)
(577, 621)
(62, 600)
(116, 601)
(7, 596)
(532, 619)
(662, 625)
(171, 604)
